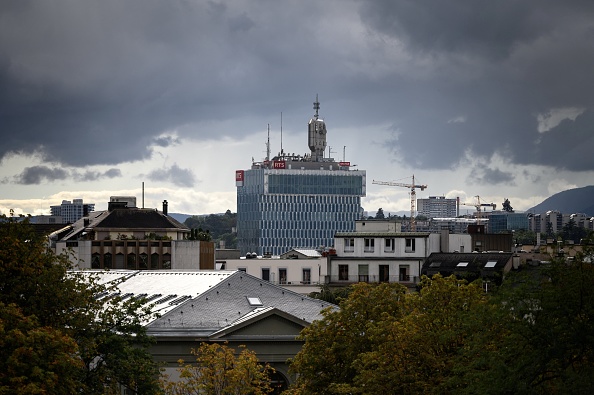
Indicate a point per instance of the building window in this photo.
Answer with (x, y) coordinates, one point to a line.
(119, 261)
(166, 261)
(343, 272)
(363, 273)
(410, 245)
(266, 274)
(95, 261)
(384, 273)
(131, 261)
(404, 276)
(154, 261)
(349, 245)
(388, 245)
(107, 261)
(143, 261)
(242, 269)
(306, 276)
(369, 245)
(282, 276)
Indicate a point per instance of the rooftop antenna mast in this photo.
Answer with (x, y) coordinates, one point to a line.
(343, 152)
(316, 107)
(268, 145)
(281, 133)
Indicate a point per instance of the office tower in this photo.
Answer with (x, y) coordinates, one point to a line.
(294, 201)
(72, 211)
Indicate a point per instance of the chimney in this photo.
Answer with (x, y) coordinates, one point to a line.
(164, 207)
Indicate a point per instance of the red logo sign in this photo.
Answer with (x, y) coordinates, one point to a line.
(279, 164)
(346, 164)
(238, 175)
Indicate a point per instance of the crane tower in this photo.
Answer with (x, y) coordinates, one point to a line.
(413, 197)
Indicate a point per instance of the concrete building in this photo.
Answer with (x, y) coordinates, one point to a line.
(300, 270)
(72, 211)
(294, 201)
(437, 207)
(377, 251)
(125, 237)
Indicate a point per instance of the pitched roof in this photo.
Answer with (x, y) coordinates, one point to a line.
(227, 304)
(209, 302)
(138, 218)
(475, 262)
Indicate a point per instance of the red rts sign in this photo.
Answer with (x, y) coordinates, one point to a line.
(279, 164)
(345, 164)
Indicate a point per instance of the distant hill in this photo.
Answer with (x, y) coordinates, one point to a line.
(180, 217)
(578, 200)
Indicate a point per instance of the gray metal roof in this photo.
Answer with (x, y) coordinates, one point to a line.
(226, 304)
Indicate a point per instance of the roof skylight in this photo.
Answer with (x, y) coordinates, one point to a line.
(491, 264)
(462, 264)
(254, 301)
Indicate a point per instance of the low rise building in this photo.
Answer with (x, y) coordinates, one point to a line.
(381, 253)
(125, 237)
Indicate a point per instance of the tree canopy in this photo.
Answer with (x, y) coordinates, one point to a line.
(56, 335)
(533, 335)
(218, 371)
(219, 226)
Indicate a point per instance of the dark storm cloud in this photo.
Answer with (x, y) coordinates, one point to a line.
(497, 65)
(36, 175)
(488, 176)
(90, 175)
(166, 141)
(175, 175)
(86, 83)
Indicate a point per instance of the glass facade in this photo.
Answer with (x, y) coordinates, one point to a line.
(278, 210)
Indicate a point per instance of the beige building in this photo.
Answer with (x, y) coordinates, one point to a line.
(124, 237)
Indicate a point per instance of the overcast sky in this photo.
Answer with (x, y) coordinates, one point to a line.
(487, 98)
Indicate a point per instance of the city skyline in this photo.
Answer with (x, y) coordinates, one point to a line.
(494, 100)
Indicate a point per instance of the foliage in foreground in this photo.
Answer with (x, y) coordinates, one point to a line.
(56, 337)
(534, 336)
(218, 371)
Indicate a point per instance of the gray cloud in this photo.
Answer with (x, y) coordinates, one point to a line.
(489, 176)
(95, 175)
(113, 76)
(175, 175)
(38, 174)
(166, 141)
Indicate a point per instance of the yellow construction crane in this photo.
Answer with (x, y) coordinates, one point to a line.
(478, 204)
(413, 197)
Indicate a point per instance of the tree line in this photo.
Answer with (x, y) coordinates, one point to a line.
(220, 227)
(534, 335)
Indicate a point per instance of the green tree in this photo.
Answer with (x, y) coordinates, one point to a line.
(416, 352)
(218, 371)
(219, 226)
(328, 362)
(380, 214)
(545, 334)
(57, 328)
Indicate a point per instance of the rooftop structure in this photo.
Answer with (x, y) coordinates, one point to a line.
(297, 201)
